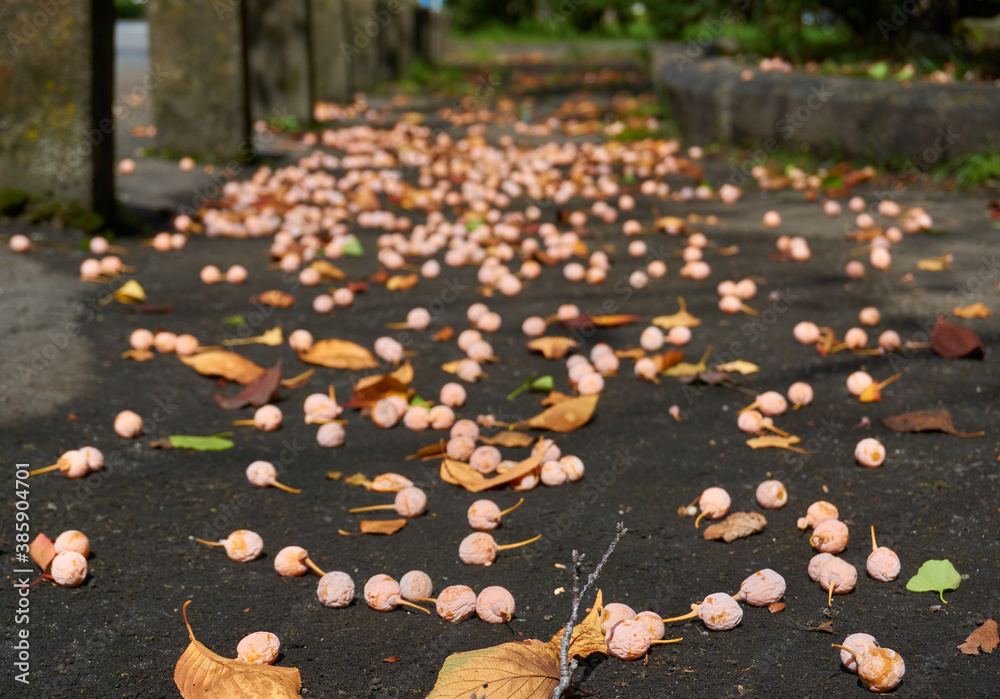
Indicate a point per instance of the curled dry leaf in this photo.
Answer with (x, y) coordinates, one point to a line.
(562, 417)
(687, 368)
(824, 627)
(552, 347)
(298, 381)
(671, 223)
(667, 359)
(953, 341)
(339, 354)
(985, 637)
(776, 607)
(358, 479)
(776, 441)
(519, 670)
(430, 451)
(587, 637)
(328, 270)
(444, 334)
(461, 473)
(583, 321)
(224, 363)
(387, 527)
(926, 421)
(935, 264)
(681, 319)
(510, 438)
(975, 310)
(273, 297)
(740, 366)
(42, 550)
(202, 674)
(736, 526)
(634, 353)
(272, 338)
(402, 282)
(138, 355)
(258, 392)
(451, 367)
(130, 292)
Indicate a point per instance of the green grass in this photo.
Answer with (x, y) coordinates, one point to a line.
(972, 169)
(540, 30)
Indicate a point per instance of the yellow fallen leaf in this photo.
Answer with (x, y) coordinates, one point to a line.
(138, 355)
(587, 637)
(689, 369)
(976, 310)
(562, 417)
(553, 347)
(462, 474)
(740, 366)
(671, 224)
(402, 282)
(776, 441)
(519, 670)
(681, 319)
(272, 338)
(224, 363)
(935, 264)
(508, 438)
(358, 479)
(339, 354)
(202, 674)
(451, 367)
(130, 292)
(328, 270)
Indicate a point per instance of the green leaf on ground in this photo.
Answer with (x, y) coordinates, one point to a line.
(352, 248)
(879, 70)
(233, 320)
(216, 442)
(935, 576)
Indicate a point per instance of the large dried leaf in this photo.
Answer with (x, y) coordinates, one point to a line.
(926, 421)
(258, 392)
(689, 369)
(955, 341)
(402, 282)
(975, 310)
(587, 637)
(275, 298)
(562, 417)
(138, 355)
(271, 338)
(776, 441)
(681, 319)
(328, 270)
(224, 363)
(508, 438)
(736, 526)
(462, 474)
(130, 292)
(985, 637)
(667, 359)
(583, 322)
(339, 354)
(519, 670)
(42, 550)
(403, 375)
(553, 347)
(202, 674)
(387, 527)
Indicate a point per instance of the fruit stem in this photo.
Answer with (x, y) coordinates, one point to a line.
(370, 508)
(520, 543)
(243, 423)
(697, 520)
(209, 543)
(837, 645)
(282, 486)
(511, 509)
(776, 430)
(400, 600)
(749, 407)
(432, 600)
(829, 597)
(670, 640)
(874, 545)
(750, 311)
(313, 567)
(53, 467)
(690, 615)
(889, 380)
(403, 325)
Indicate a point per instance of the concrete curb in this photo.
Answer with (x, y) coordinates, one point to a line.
(857, 117)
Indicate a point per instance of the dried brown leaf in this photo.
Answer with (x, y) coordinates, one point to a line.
(587, 637)
(508, 438)
(583, 321)
(436, 449)
(258, 392)
(451, 367)
(402, 282)
(736, 526)
(975, 310)
(680, 319)
(553, 347)
(462, 474)
(824, 627)
(689, 369)
(224, 363)
(42, 550)
(388, 527)
(926, 421)
(776, 441)
(138, 355)
(562, 417)
(985, 637)
(935, 264)
(328, 270)
(953, 341)
(667, 359)
(740, 366)
(202, 674)
(519, 670)
(444, 334)
(275, 298)
(339, 354)
(555, 398)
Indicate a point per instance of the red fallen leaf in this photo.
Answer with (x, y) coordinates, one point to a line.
(358, 287)
(275, 298)
(824, 626)
(444, 334)
(258, 392)
(926, 421)
(390, 659)
(985, 637)
(953, 341)
(42, 551)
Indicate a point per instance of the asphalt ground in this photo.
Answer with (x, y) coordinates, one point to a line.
(120, 634)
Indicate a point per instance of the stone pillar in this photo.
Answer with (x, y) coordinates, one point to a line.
(200, 102)
(277, 46)
(56, 84)
(430, 35)
(362, 44)
(328, 32)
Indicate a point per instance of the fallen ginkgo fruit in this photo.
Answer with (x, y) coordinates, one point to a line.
(830, 536)
(335, 589)
(718, 611)
(859, 643)
(880, 669)
(410, 502)
(294, 562)
(761, 589)
(263, 474)
(495, 605)
(480, 549)
(485, 515)
(259, 647)
(241, 545)
(383, 594)
(819, 511)
(883, 563)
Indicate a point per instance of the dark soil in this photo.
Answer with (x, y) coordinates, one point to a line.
(119, 635)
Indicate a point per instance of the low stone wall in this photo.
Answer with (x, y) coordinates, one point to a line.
(858, 117)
